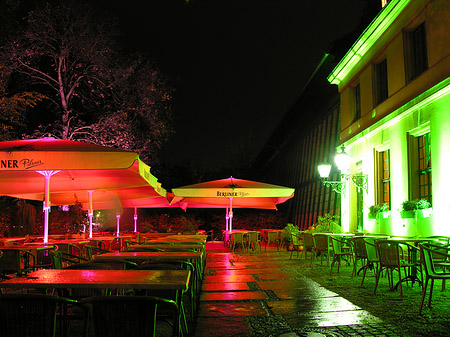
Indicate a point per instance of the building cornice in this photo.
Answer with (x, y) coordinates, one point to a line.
(367, 39)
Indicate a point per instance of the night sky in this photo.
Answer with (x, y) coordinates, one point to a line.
(237, 65)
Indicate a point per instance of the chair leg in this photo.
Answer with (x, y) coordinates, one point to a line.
(424, 291)
(431, 293)
(376, 280)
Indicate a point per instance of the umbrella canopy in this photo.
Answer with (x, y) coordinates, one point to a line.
(231, 192)
(72, 172)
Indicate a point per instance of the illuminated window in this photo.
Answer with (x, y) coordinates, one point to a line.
(384, 178)
(415, 52)
(381, 82)
(420, 178)
(424, 172)
(357, 93)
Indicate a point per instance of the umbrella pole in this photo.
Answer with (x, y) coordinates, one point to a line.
(90, 213)
(47, 175)
(227, 218)
(118, 223)
(231, 215)
(135, 219)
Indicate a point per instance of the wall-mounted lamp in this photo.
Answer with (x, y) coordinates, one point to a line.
(342, 160)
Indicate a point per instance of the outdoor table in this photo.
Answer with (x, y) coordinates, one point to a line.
(103, 279)
(145, 256)
(172, 248)
(139, 257)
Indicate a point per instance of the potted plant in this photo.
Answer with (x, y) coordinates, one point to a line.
(423, 208)
(373, 211)
(328, 224)
(408, 208)
(286, 234)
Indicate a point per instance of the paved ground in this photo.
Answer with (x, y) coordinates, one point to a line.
(264, 294)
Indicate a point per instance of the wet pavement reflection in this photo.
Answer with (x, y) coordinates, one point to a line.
(248, 293)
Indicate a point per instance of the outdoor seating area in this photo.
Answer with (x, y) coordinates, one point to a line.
(178, 270)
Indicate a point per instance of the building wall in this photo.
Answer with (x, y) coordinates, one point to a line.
(412, 108)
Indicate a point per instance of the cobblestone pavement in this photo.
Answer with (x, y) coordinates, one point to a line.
(248, 293)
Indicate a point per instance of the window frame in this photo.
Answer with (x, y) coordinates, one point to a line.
(381, 82)
(416, 51)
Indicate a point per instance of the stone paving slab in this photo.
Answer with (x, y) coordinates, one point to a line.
(232, 286)
(223, 309)
(233, 296)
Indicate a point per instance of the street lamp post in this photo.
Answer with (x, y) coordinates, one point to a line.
(342, 161)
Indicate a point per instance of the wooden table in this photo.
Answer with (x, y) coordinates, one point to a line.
(103, 279)
(172, 248)
(144, 256)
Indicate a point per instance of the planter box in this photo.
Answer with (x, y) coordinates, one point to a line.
(371, 216)
(424, 213)
(385, 215)
(407, 214)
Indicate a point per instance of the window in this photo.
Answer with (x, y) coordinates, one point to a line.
(381, 83)
(384, 178)
(357, 93)
(416, 52)
(424, 172)
(420, 179)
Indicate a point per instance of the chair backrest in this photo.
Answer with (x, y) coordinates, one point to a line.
(388, 253)
(321, 242)
(431, 254)
(273, 236)
(237, 237)
(308, 241)
(116, 244)
(23, 315)
(371, 251)
(69, 248)
(337, 245)
(132, 316)
(295, 239)
(17, 261)
(90, 251)
(359, 248)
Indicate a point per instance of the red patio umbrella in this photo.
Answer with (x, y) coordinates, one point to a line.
(72, 172)
(231, 192)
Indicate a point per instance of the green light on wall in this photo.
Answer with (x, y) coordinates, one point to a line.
(378, 27)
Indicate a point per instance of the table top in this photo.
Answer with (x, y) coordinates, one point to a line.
(111, 279)
(29, 246)
(142, 256)
(177, 247)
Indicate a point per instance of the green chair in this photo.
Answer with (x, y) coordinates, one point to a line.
(131, 316)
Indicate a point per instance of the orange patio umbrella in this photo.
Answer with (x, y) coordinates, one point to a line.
(72, 172)
(229, 193)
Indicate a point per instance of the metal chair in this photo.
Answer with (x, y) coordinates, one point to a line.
(428, 253)
(237, 238)
(17, 261)
(26, 315)
(390, 253)
(359, 254)
(308, 244)
(132, 316)
(341, 249)
(254, 239)
(321, 247)
(90, 251)
(296, 242)
(273, 237)
(373, 260)
(62, 259)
